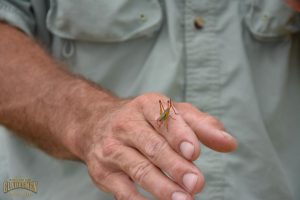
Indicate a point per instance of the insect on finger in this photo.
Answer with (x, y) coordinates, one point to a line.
(165, 114)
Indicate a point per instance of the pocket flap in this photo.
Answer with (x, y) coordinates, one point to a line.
(104, 20)
(270, 20)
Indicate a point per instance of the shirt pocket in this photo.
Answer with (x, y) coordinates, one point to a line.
(104, 20)
(270, 20)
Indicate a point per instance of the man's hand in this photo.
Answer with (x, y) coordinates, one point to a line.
(127, 146)
(119, 140)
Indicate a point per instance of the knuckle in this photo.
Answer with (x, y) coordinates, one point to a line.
(187, 105)
(110, 147)
(141, 100)
(120, 124)
(144, 99)
(140, 171)
(187, 109)
(99, 176)
(155, 147)
(96, 173)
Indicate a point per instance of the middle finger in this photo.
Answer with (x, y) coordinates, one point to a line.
(157, 150)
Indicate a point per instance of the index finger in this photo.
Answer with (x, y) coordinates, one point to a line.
(209, 129)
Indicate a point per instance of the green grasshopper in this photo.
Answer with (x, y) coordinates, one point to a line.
(165, 114)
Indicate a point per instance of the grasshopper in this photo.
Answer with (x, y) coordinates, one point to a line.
(165, 114)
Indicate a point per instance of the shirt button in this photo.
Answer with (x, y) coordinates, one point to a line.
(199, 23)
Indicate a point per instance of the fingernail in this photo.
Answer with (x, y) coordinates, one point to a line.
(226, 135)
(187, 149)
(179, 196)
(189, 181)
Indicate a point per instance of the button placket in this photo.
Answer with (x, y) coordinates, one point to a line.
(202, 81)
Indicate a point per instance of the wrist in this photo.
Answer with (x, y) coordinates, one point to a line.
(88, 107)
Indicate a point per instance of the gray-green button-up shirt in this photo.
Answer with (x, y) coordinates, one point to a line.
(238, 62)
